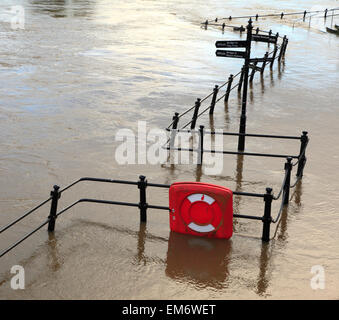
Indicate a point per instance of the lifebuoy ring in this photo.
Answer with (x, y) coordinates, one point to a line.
(201, 209)
(201, 213)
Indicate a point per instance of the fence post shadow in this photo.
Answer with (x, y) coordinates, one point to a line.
(141, 243)
(263, 281)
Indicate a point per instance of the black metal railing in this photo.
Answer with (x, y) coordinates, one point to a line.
(281, 15)
(301, 158)
(269, 58)
(143, 206)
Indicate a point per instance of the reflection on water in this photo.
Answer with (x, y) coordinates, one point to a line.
(141, 243)
(271, 78)
(262, 83)
(263, 280)
(238, 179)
(201, 261)
(198, 172)
(54, 259)
(281, 68)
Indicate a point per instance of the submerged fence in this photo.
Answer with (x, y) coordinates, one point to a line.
(325, 13)
(270, 57)
(143, 205)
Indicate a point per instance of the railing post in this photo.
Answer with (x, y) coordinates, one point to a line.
(223, 26)
(257, 30)
(302, 157)
(228, 90)
(264, 63)
(54, 207)
(253, 71)
(174, 127)
(256, 17)
(142, 185)
(214, 98)
(282, 15)
(267, 219)
(286, 188)
(325, 15)
(282, 48)
(285, 46)
(241, 80)
(201, 145)
(175, 120)
(304, 17)
(195, 114)
(275, 51)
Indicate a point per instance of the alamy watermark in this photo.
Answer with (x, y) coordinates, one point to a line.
(150, 147)
(18, 280)
(318, 280)
(15, 17)
(18, 17)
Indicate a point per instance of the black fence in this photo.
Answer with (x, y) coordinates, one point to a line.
(143, 205)
(277, 53)
(200, 150)
(325, 14)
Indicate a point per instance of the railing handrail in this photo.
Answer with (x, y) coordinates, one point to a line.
(236, 134)
(24, 215)
(271, 15)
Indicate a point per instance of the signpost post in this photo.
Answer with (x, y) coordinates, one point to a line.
(242, 126)
(243, 55)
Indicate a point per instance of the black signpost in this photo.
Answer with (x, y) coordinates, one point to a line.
(249, 63)
(244, 55)
(231, 44)
(264, 38)
(231, 54)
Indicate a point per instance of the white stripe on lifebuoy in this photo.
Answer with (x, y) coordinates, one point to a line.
(200, 197)
(197, 228)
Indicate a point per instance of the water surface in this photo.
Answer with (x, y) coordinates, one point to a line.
(80, 70)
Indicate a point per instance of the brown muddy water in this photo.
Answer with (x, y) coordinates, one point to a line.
(81, 70)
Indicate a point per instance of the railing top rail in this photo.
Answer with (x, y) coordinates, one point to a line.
(244, 153)
(236, 134)
(271, 15)
(25, 215)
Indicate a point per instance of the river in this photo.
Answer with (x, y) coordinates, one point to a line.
(78, 71)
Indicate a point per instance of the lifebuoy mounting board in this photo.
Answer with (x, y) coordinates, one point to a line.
(201, 209)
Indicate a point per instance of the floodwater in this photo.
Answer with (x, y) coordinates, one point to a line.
(81, 70)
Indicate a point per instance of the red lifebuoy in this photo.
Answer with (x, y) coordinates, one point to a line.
(201, 209)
